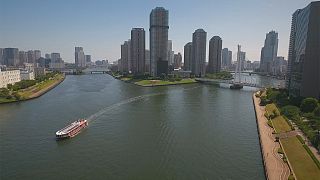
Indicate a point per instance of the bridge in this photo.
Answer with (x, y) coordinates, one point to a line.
(217, 81)
(96, 70)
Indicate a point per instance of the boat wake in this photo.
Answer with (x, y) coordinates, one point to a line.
(127, 101)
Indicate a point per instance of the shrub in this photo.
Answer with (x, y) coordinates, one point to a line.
(309, 105)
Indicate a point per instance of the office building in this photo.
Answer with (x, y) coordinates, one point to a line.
(215, 47)
(303, 77)
(187, 55)
(137, 51)
(199, 41)
(80, 60)
(159, 27)
(9, 76)
(11, 56)
(269, 52)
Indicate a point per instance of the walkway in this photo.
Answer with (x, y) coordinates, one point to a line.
(274, 166)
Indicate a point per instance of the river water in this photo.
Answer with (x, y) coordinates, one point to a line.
(175, 132)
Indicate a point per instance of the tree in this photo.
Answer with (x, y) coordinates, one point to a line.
(316, 111)
(4, 93)
(309, 105)
(291, 112)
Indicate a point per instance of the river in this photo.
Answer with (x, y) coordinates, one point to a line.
(191, 131)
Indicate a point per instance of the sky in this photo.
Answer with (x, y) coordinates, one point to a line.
(101, 26)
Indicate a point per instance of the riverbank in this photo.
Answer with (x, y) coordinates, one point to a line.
(275, 167)
(37, 90)
(154, 82)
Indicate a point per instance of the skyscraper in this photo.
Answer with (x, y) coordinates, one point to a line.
(226, 58)
(1, 56)
(23, 58)
(88, 59)
(79, 57)
(147, 61)
(303, 77)
(170, 53)
(37, 54)
(47, 56)
(177, 60)
(31, 56)
(137, 51)
(125, 56)
(11, 56)
(199, 41)
(55, 57)
(215, 46)
(187, 55)
(159, 26)
(269, 52)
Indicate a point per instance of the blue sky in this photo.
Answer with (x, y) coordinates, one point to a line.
(100, 26)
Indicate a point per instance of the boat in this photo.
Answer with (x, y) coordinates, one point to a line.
(72, 129)
(236, 86)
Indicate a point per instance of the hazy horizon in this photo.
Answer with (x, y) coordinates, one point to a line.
(100, 27)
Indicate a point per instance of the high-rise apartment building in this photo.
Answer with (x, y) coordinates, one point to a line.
(177, 60)
(47, 56)
(269, 52)
(88, 59)
(226, 58)
(215, 47)
(147, 61)
(303, 77)
(187, 56)
(199, 41)
(137, 51)
(31, 57)
(11, 56)
(23, 58)
(159, 27)
(125, 56)
(55, 57)
(37, 54)
(170, 53)
(1, 56)
(80, 59)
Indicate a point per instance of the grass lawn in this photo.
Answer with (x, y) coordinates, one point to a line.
(301, 162)
(271, 108)
(25, 94)
(5, 100)
(280, 125)
(162, 82)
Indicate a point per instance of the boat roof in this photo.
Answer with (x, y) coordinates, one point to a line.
(68, 128)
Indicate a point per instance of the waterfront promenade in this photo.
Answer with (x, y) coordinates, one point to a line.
(275, 167)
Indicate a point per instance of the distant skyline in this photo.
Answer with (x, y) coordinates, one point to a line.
(100, 27)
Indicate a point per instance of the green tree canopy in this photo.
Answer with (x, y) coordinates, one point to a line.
(292, 112)
(309, 105)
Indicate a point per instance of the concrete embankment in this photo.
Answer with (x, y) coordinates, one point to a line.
(275, 167)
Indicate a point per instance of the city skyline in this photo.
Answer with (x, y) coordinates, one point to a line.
(102, 31)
